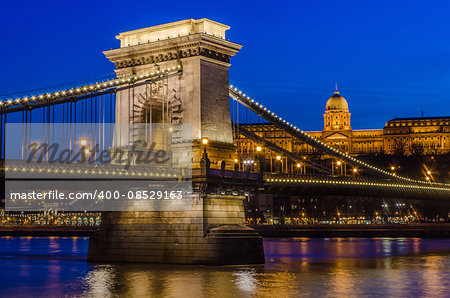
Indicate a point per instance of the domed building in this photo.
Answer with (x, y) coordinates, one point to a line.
(337, 130)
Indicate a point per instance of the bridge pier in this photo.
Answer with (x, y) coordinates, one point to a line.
(212, 232)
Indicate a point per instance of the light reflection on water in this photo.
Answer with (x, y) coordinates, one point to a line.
(54, 266)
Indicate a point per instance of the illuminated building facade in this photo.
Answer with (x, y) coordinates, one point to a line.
(400, 136)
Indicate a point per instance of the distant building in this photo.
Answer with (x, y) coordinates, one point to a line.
(426, 135)
(401, 136)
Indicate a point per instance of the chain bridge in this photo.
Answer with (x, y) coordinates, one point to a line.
(175, 74)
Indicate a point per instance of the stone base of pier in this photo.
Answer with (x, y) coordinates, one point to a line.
(212, 233)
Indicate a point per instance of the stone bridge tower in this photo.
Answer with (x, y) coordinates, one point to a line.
(199, 97)
(213, 232)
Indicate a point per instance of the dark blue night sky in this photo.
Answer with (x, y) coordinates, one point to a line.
(389, 58)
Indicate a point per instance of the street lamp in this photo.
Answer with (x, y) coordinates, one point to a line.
(261, 159)
(204, 142)
(299, 170)
(339, 163)
(83, 142)
(278, 157)
(205, 155)
(429, 172)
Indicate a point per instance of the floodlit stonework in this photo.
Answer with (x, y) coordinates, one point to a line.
(213, 232)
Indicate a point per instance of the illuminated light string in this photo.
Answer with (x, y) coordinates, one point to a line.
(88, 88)
(251, 102)
(315, 181)
(93, 172)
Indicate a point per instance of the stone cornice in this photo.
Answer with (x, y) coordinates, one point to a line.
(173, 49)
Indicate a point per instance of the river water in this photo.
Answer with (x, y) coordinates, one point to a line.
(295, 267)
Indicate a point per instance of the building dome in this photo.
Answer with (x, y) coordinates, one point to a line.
(336, 102)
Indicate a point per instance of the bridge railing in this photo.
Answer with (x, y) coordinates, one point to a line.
(247, 175)
(430, 191)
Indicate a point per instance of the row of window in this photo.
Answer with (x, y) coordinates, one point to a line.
(418, 123)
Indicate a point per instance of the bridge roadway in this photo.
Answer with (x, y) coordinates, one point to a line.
(218, 181)
(375, 187)
(229, 181)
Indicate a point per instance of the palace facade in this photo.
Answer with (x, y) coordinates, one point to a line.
(400, 136)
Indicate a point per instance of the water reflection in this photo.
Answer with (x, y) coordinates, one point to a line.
(295, 267)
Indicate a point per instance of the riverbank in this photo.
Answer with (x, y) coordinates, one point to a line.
(354, 230)
(267, 231)
(45, 231)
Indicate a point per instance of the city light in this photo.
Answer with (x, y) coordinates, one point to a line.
(205, 141)
(258, 148)
(83, 142)
(278, 157)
